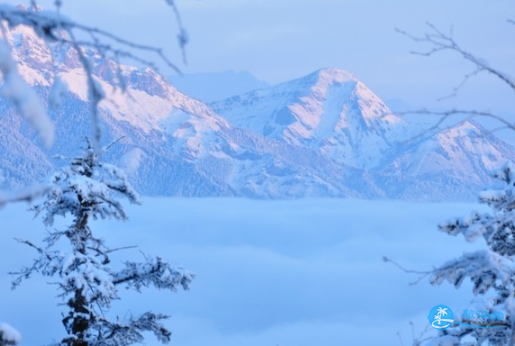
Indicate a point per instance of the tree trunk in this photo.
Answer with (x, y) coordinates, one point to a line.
(78, 321)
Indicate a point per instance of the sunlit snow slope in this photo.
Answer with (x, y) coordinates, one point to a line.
(332, 112)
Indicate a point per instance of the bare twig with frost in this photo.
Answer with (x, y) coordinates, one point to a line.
(416, 341)
(445, 42)
(439, 42)
(422, 274)
(444, 116)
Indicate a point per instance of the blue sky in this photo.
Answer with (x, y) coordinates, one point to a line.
(278, 40)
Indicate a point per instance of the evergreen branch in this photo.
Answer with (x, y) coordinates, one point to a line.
(154, 272)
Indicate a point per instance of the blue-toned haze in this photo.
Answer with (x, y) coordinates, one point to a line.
(299, 272)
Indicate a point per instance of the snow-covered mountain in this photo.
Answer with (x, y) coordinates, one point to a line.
(174, 145)
(454, 162)
(325, 134)
(332, 112)
(329, 111)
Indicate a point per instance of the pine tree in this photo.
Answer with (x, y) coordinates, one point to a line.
(86, 190)
(492, 270)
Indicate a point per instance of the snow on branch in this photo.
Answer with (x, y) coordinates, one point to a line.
(8, 335)
(87, 182)
(153, 272)
(130, 332)
(498, 229)
(472, 226)
(486, 269)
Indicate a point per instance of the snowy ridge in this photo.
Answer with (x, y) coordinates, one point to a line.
(333, 113)
(457, 161)
(329, 111)
(325, 134)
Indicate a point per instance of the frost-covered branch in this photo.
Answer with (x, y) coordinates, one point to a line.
(439, 41)
(153, 272)
(445, 42)
(422, 274)
(416, 340)
(485, 269)
(76, 186)
(444, 116)
(498, 230)
(130, 332)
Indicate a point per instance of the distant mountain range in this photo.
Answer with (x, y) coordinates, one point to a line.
(324, 135)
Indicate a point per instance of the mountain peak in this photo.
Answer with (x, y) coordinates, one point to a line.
(334, 75)
(329, 111)
(324, 79)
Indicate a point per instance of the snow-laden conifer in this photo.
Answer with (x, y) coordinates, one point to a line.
(491, 270)
(85, 190)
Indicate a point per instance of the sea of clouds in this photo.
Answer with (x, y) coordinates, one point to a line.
(288, 273)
